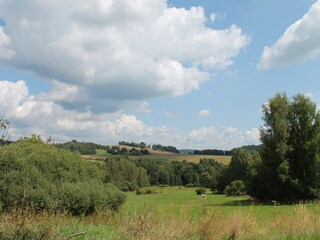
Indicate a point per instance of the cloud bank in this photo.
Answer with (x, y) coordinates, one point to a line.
(102, 55)
(299, 43)
(35, 114)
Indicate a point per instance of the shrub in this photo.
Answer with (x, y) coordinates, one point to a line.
(148, 190)
(236, 188)
(200, 191)
(37, 176)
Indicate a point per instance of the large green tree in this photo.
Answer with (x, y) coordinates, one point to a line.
(304, 142)
(290, 153)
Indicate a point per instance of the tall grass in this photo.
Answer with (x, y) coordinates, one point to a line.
(302, 223)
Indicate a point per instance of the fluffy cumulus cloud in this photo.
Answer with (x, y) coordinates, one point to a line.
(221, 138)
(300, 42)
(101, 55)
(36, 114)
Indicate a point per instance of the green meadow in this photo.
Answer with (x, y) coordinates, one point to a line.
(184, 203)
(173, 213)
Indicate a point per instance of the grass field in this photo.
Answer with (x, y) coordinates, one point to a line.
(175, 213)
(101, 152)
(184, 203)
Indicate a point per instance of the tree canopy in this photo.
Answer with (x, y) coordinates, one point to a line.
(290, 166)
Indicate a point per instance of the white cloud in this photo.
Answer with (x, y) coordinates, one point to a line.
(36, 114)
(201, 135)
(204, 113)
(224, 138)
(103, 55)
(300, 42)
(5, 51)
(231, 130)
(213, 17)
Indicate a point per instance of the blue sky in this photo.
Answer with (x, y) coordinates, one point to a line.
(193, 74)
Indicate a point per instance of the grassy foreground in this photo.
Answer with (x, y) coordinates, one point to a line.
(176, 213)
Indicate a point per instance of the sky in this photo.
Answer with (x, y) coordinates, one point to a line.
(192, 74)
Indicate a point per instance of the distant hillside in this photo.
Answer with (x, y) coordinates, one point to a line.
(251, 148)
(186, 151)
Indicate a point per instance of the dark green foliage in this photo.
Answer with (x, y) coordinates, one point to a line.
(200, 191)
(85, 148)
(130, 144)
(216, 152)
(125, 174)
(42, 177)
(159, 147)
(289, 170)
(145, 152)
(241, 167)
(135, 152)
(253, 149)
(148, 190)
(116, 150)
(210, 172)
(173, 173)
(236, 188)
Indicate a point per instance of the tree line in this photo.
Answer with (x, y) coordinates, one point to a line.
(85, 148)
(156, 147)
(213, 152)
(118, 150)
(285, 167)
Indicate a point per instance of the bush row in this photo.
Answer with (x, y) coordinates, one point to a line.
(38, 176)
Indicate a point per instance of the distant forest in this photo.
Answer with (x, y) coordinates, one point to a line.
(156, 147)
(213, 152)
(89, 148)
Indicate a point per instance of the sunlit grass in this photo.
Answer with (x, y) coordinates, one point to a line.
(175, 213)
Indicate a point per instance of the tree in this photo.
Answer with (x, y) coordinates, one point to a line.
(236, 188)
(289, 169)
(239, 168)
(143, 145)
(304, 142)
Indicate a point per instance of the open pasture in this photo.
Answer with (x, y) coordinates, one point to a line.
(176, 214)
(184, 203)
